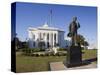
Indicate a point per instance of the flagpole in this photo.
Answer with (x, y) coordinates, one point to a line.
(51, 17)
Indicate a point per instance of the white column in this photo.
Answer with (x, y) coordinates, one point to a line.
(53, 39)
(45, 40)
(49, 39)
(42, 35)
(56, 38)
(36, 40)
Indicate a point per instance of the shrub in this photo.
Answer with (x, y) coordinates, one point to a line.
(46, 54)
(62, 49)
(50, 54)
(36, 55)
(42, 55)
(54, 54)
(60, 54)
(64, 54)
(37, 49)
(32, 54)
(57, 54)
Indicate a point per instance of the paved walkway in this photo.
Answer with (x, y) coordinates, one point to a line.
(55, 66)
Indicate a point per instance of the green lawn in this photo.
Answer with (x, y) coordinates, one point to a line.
(89, 54)
(33, 64)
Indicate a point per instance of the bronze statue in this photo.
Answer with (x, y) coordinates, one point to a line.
(73, 27)
(74, 53)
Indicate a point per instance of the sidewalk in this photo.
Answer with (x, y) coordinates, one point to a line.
(55, 66)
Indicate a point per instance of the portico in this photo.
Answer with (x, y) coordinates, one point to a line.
(45, 36)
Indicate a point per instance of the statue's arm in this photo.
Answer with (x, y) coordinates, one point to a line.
(69, 34)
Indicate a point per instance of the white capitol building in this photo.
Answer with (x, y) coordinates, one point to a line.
(46, 36)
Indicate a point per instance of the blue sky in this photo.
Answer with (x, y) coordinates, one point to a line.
(35, 15)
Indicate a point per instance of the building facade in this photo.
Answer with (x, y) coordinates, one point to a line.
(46, 37)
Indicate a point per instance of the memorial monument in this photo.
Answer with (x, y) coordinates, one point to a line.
(74, 54)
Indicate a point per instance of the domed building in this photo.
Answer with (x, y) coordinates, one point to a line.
(46, 37)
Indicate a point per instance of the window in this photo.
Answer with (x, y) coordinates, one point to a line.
(48, 44)
(55, 37)
(55, 40)
(33, 44)
(48, 36)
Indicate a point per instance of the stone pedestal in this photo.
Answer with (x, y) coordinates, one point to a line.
(74, 56)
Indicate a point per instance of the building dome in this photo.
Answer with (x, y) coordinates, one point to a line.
(45, 25)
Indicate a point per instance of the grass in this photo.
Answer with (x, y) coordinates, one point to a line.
(89, 54)
(34, 64)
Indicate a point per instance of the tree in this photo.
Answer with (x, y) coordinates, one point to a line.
(24, 44)
(86, 44)
(17, 43)
(81, 40)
